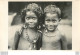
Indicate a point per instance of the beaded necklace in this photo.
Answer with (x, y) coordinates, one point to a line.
(47, 34)
(31, 42)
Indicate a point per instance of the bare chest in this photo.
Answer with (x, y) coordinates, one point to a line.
(51, 38)
(29, 34)
(27, 39)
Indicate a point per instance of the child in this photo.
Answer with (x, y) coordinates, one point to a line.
(26, 38)
(52, 38)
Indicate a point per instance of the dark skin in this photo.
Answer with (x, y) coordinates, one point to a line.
(20, 41)
(53, 39)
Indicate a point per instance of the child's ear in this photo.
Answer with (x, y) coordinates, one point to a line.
(59, 19)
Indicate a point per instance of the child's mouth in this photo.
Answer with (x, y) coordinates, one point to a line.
(31, 25)
(51, 27)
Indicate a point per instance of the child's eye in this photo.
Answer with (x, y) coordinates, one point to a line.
(53, 21)
(48, 20)
(33, 18)
(27, 18)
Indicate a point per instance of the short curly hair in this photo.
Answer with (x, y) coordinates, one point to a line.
(34, 8)
(52, 9)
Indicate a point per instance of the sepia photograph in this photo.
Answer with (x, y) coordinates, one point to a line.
(40, 25)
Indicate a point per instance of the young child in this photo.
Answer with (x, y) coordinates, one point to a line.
(52, 38)
(27, 36)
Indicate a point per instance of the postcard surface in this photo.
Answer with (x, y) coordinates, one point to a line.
(39, 25)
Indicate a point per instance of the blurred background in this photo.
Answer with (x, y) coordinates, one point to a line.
(14, 12)
(66, 8)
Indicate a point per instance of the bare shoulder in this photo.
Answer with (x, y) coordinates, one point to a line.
(13, 30)
(62, 35)
(18, 28)
(18, 32)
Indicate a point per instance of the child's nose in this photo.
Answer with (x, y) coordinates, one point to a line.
(31, 20)
(51, 23)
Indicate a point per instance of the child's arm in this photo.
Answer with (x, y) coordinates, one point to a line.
(63, 42)
(16, 40)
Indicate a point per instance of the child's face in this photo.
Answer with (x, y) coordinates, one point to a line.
(31, 19)
(51, 21)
